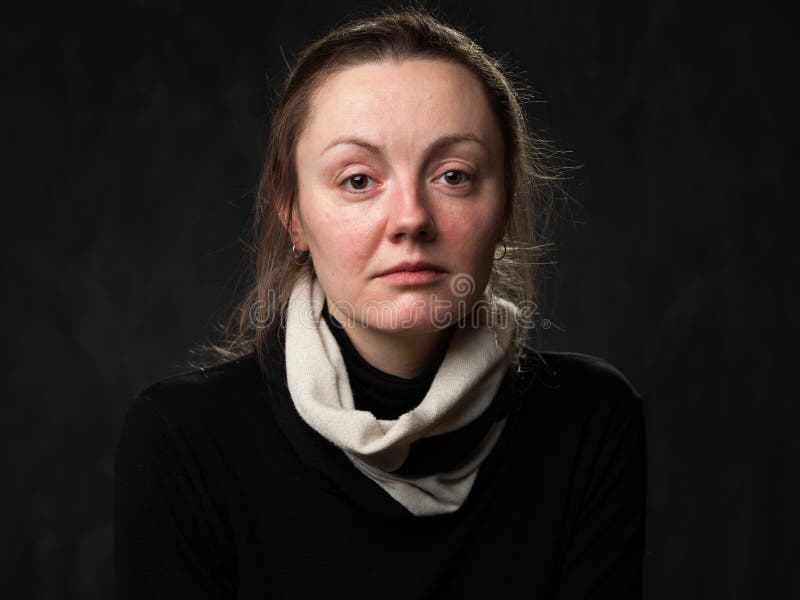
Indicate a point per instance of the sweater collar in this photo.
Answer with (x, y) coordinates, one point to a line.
(384, 395)
(395, 453)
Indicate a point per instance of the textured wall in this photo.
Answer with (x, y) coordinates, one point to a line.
(135, 134)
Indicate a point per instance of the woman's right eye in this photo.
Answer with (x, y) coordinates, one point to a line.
(357, 183)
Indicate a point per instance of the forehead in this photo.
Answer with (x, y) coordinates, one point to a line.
(399, 102)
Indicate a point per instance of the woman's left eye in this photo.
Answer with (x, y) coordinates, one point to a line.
(454, 177)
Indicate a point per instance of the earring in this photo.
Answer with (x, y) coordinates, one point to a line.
(299, 257)
(505, 249)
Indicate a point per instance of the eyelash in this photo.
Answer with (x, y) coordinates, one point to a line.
(464, 175)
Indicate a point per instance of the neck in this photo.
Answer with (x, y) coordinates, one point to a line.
(405, 354)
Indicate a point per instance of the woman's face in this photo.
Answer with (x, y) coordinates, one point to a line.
(400, 164)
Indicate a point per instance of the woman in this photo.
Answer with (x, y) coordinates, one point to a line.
(380, 426)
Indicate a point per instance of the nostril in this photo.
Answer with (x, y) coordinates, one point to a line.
(427, 233)
(409, 215)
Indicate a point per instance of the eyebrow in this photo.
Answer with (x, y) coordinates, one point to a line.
(437, 145)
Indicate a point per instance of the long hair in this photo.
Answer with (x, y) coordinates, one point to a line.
(533, 173)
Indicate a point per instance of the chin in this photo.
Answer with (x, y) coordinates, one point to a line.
(419, 328)
(421, 311)
(429, 316)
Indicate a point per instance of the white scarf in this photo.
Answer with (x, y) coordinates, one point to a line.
(463, 387)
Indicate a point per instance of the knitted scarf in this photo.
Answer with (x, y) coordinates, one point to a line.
(462, 391)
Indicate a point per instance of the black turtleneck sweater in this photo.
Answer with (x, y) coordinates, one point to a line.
(223, 491)
(384, 395)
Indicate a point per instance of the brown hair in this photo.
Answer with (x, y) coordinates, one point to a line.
(532, 175)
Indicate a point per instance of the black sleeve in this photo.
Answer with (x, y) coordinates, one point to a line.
(164, 523)
(604, 556)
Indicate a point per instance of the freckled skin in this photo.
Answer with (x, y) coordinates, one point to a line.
(403, 207)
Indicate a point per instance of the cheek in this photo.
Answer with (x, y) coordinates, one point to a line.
(474, 232)
(477, 253)
(341, 238)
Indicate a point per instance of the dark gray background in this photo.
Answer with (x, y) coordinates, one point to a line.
(135, 135)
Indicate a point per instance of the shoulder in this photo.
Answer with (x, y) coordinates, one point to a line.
(583, 386)
(182, 443)
(207, 399)
(229, 378)
(203, 425)
(578, 371)
(586, 417)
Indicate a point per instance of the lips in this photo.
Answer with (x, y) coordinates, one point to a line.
(413, 266)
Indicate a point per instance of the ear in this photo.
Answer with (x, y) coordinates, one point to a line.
(294, 227)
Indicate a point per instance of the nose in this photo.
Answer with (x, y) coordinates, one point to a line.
(409, 215)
